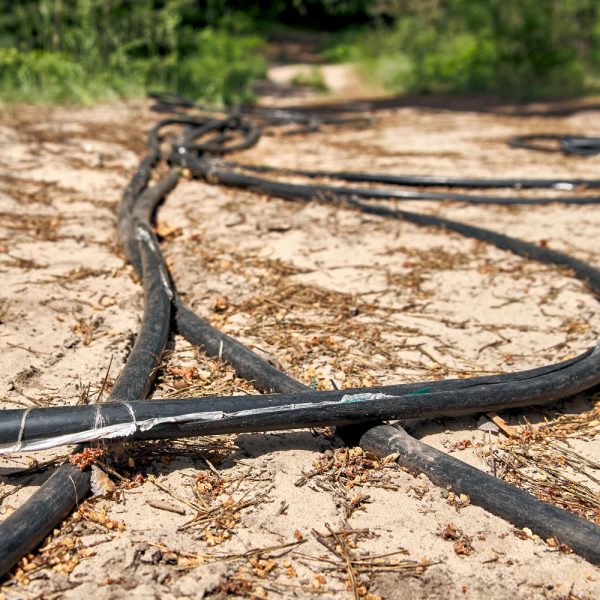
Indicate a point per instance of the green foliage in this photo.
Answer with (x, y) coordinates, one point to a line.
(84, 50)
(513, 47)
(223, 67)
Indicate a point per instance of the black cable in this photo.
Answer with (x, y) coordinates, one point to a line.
(563, 183)
(24, 529)
(234, 414)
(501, 391)
(494, 495)
(308, 121)
(147, 202)
(305, 193)
(170, 100)
(580, 145)
(27, 526)
(250, 135)
(209, 168)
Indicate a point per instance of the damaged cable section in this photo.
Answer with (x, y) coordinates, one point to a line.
(41, 428)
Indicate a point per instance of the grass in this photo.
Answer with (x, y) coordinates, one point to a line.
(221, 70)
(82, 51)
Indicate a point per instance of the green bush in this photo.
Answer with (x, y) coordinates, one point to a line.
(38, 76)
(221, 68)
(513, 47)
(85, 50)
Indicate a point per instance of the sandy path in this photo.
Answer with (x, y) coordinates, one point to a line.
(328, 295)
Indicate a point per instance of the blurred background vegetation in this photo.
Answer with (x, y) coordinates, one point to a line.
(88, 50)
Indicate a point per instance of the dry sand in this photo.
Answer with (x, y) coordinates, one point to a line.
(329, 296)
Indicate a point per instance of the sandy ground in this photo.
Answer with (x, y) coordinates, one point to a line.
(332, 297)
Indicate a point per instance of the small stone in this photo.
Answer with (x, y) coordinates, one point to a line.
(484, 424)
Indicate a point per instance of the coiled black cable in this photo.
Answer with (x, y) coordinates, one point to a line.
(295, 406)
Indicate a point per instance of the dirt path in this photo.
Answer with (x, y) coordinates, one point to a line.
(330, 296)
(299, 72)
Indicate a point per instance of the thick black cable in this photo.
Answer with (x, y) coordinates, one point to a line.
(309, 122)
(250, 135)
(184, 319)
(140, 369)
(235, 414)
(43, 421)
(521, 508)
(25, 528)
(170, 100)
(498, 497)
(494, 495)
